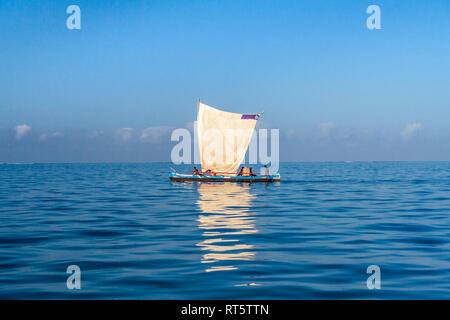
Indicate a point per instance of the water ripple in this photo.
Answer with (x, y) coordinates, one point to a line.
(135, 234)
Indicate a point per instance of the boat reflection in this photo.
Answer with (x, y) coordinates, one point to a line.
(225, 209)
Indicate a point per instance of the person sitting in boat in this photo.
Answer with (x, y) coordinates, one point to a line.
(246, 172)
(196, 172)
(211, 173)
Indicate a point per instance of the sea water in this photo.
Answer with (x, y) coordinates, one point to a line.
(136, 235)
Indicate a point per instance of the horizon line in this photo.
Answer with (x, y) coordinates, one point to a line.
(168, 162)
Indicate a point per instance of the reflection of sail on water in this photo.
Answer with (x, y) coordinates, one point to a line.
(225, 216)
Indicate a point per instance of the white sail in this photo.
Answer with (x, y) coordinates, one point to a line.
(223, 138)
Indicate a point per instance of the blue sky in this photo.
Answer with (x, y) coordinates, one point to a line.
(336, 90)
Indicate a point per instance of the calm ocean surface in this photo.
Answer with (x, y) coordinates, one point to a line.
(136, 235)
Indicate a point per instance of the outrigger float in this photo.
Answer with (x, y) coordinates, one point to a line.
(206, 177)
(223, 140)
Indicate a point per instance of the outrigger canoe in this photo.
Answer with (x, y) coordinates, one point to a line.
(175, 176)
(223, 140)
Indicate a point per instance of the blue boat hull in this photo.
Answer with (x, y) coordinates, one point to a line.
(174, 176)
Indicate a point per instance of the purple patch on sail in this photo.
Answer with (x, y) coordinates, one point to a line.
(249, 116)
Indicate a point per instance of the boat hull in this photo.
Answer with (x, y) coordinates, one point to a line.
(207, 178)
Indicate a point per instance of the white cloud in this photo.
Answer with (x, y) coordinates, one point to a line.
(190, 126)
(326, 128)
(22, 130)
(45, 136)
(95, 133)
(125, 134)
(155, 134)
(290, 133)
(411, 130)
